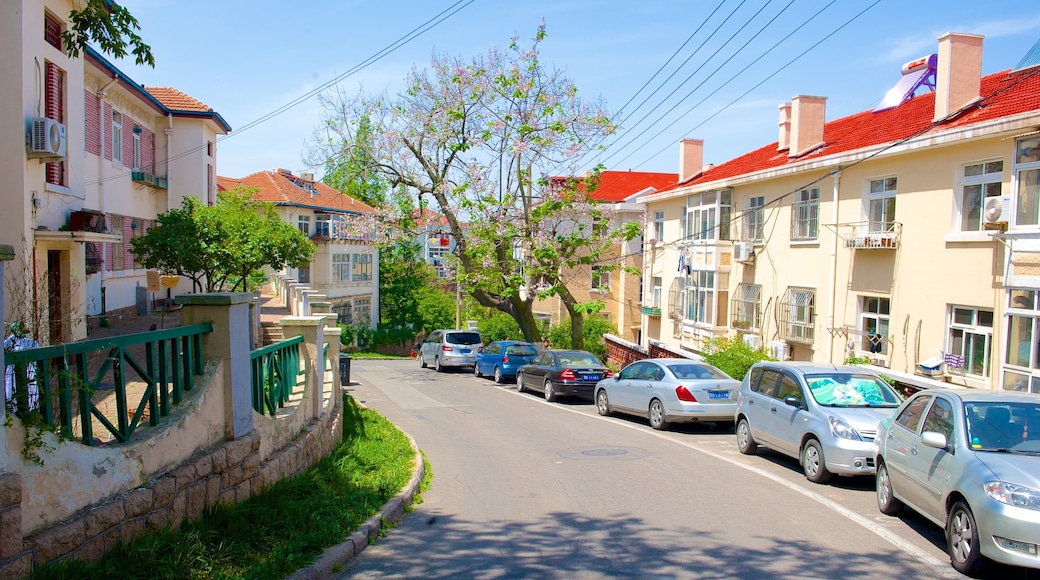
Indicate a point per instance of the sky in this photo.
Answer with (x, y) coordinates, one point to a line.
(665, 69)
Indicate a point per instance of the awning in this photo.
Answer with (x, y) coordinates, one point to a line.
(70, 236)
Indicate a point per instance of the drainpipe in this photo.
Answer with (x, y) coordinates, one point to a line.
(834, 268)
(102, 93)
(169, 142)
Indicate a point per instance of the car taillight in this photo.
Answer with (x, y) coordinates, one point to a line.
(505, 359)
(684, 394)
(446, 347)
(608, 374)
(568, 375)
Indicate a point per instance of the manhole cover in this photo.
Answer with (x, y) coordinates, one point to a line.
(608, 453)
(604, 452)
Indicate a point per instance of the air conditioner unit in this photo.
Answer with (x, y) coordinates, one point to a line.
(46, 139)
(753, 341)
(997, 209)
(779, 350)
(743, 251)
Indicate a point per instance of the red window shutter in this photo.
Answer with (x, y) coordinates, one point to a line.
(128, 234)
(106, 120)
(54, 108)
(93, 123)
(108, 256)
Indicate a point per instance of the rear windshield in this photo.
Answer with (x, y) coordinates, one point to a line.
(521, 350)
(579, 358)
(690, 371)
(848, 390)
(462, 338)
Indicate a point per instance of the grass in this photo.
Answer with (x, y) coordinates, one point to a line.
(279, 530)
(376, 355)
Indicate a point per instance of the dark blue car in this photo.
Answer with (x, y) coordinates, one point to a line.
(502, 358)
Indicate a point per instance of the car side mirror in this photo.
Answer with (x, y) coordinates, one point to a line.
(792, 401)
(933, 439)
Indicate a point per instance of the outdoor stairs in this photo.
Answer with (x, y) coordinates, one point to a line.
(271, 332)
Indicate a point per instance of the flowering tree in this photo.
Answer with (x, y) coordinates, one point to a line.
(474, 140)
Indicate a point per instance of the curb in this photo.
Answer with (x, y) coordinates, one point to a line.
(325, 565)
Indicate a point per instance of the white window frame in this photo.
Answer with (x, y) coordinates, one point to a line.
(707, 215)
(805, 215)
(341, 267)
(881, 199)
(1026, 172)
(137, 148)
(117, 137)
(965, 326)
(659, 226)
(1021, 373)
(701, 297)
(754, 218)
(989, 175)
(599, 280)
(656, 292)
(361, 270)
(874, 315)
(304, 223)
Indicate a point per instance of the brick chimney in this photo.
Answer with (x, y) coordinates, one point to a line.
(691, 157)
(807, 118)
(958, 76)
(785, 127)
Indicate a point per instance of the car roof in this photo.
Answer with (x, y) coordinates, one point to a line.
(988, 396)
(811, 368)
(673, 360)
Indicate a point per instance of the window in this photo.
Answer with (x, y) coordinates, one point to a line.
(708, 215)
(798, 314)
(805, 215)
(1022, 363)
(117, 136)
(362, 268)
(939, 418)
(789, 388)
(700, 296)
(209, 148)
(52, 28)
(911, 415)
(881, 205)
(363, 308)
(969, 340)
(659, 226)
(436, 255)
(656, 293)
(341, 267)
(57, 173)
(766, 385)
(747, 307)
(979, 182)
(600, 279)
(754, 219)
(1027, 177)
(303, 274)
(874, 314)
(304, 223)
(137, 147)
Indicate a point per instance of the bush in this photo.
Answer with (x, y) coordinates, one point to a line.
(732, 356)
(499, 326)
(593, 330)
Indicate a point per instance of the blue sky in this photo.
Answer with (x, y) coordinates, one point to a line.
(248, 59)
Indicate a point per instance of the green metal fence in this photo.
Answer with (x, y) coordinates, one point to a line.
(61, 381)
(275, 374)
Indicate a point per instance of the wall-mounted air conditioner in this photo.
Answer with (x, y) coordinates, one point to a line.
(997, 209)
(753, 341)
(779, 349)
(46, 139)
(743, 251)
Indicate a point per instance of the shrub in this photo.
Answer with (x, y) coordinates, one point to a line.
(499, 326)
(732, 356)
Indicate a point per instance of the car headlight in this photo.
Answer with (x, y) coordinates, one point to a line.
(842, 430)
(1013, 494)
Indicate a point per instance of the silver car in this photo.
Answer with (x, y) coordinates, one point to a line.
(823, 415)
(669, 390)
(450, 348)
(968, 460)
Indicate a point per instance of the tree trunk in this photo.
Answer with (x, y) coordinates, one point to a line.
(577, 319)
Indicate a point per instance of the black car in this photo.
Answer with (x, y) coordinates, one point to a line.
(562, 373)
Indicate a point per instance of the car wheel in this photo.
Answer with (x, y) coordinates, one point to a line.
(886, 500)
(498, 375)
(476, 371)
(422, 361)
(550, 393)
(813, 462)
(437, 365)
(962, 540)
(745, 441)
(656, 415)
(602, 404)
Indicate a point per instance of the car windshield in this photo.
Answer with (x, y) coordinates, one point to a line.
(851, 390)
(578, 359)
(691, 371)
(1003, 426)
(521, 350)
(462, 338)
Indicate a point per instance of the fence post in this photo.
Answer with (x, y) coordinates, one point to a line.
(229, 314)
(312, 328)
(6, 254)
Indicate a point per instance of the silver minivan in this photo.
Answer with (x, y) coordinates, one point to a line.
(450, 348)
(826, 416)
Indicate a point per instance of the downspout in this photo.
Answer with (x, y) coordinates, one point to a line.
(834, 268)
(169, 142)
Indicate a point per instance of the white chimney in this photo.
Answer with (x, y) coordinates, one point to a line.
(807, 119)
(691, 157)
(785, 127)
(958, 76)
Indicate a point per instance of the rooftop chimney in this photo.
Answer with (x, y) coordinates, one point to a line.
(785, 127)
(958, 76)
(807, 118)
(691, 157)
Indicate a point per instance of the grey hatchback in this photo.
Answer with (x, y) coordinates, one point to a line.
(826, 416)
(449, 348)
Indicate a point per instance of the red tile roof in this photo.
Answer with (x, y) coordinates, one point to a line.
(1004, 94)
(173, 99)
(281, 189)
(615, 186)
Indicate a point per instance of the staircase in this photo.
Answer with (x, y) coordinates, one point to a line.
(271, 332)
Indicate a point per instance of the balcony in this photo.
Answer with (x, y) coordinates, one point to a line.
(651, 311)
(871, 235)
(148, 179)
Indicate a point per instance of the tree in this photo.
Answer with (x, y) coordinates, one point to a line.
(221, 247)
(402, 276)
(109, 25)
(476, 137)
(350, 173)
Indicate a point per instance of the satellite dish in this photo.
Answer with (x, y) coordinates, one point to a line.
(994, 209)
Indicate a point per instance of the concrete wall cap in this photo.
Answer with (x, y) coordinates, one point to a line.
(303, 321)
(215, 298)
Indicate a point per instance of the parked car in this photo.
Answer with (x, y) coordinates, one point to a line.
(562, 373)
(826, 416)
(449, 348)
(670, 390)
(968, 460)
(502, 358)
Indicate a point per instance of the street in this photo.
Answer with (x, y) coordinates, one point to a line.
(526, 488)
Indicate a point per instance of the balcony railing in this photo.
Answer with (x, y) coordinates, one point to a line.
(872, 235)
(652, 311)
(148, 179)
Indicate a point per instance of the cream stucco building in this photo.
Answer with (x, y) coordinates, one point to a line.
(908, 235)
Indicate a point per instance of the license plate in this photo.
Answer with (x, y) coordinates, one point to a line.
(718, 394)
(464, 350)
(590, 377)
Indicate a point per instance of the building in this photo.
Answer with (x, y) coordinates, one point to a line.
(98, 158)
(908, 235)
(345, 266)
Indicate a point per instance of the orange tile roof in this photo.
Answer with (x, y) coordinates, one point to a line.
(226, 183)
(615, 186)
(1003, 94)
(173, 99)
(280, 189)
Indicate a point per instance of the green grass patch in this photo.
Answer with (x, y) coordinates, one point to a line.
(377, 355)
(279, 530)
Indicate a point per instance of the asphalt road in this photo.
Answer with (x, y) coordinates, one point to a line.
(524, 488)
